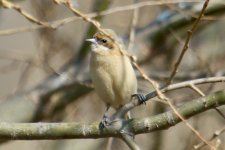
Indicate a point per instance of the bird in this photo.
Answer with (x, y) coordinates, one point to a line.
(111, 70)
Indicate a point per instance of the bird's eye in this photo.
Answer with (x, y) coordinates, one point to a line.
(104, 41)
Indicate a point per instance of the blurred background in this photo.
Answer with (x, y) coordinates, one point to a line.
(44, 74)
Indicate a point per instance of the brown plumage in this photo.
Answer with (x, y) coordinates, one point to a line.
(111, 72)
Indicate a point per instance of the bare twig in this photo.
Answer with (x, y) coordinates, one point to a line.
(29, 17)
(215, 135)
(109, 143)
(130, 142)
(186, 84)
(190, 126)
(185, 47)
(192, 86)
(196, 89)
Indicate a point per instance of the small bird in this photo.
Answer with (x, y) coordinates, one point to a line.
(111, 71)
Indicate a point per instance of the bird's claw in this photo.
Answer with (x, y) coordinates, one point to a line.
(141, 98)
(105, 121)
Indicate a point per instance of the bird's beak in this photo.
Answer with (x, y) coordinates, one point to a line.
(92, 40)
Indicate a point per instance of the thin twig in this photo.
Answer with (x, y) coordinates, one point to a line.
(215, 135)
(192, 86)
(191, 82)
(130, 142)
(10, 5)
(109, 143)
(186, 45)
(186, 122)
(206, 64)
(196, 89)
(190, 126)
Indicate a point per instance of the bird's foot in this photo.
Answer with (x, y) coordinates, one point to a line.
(105, 121)
(108, 122)
(141, 98)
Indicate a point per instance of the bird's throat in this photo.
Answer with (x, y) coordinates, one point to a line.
(99, 48)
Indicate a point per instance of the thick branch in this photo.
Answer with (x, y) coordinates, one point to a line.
(41, 131)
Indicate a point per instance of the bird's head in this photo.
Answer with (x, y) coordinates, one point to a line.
(104, 42)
